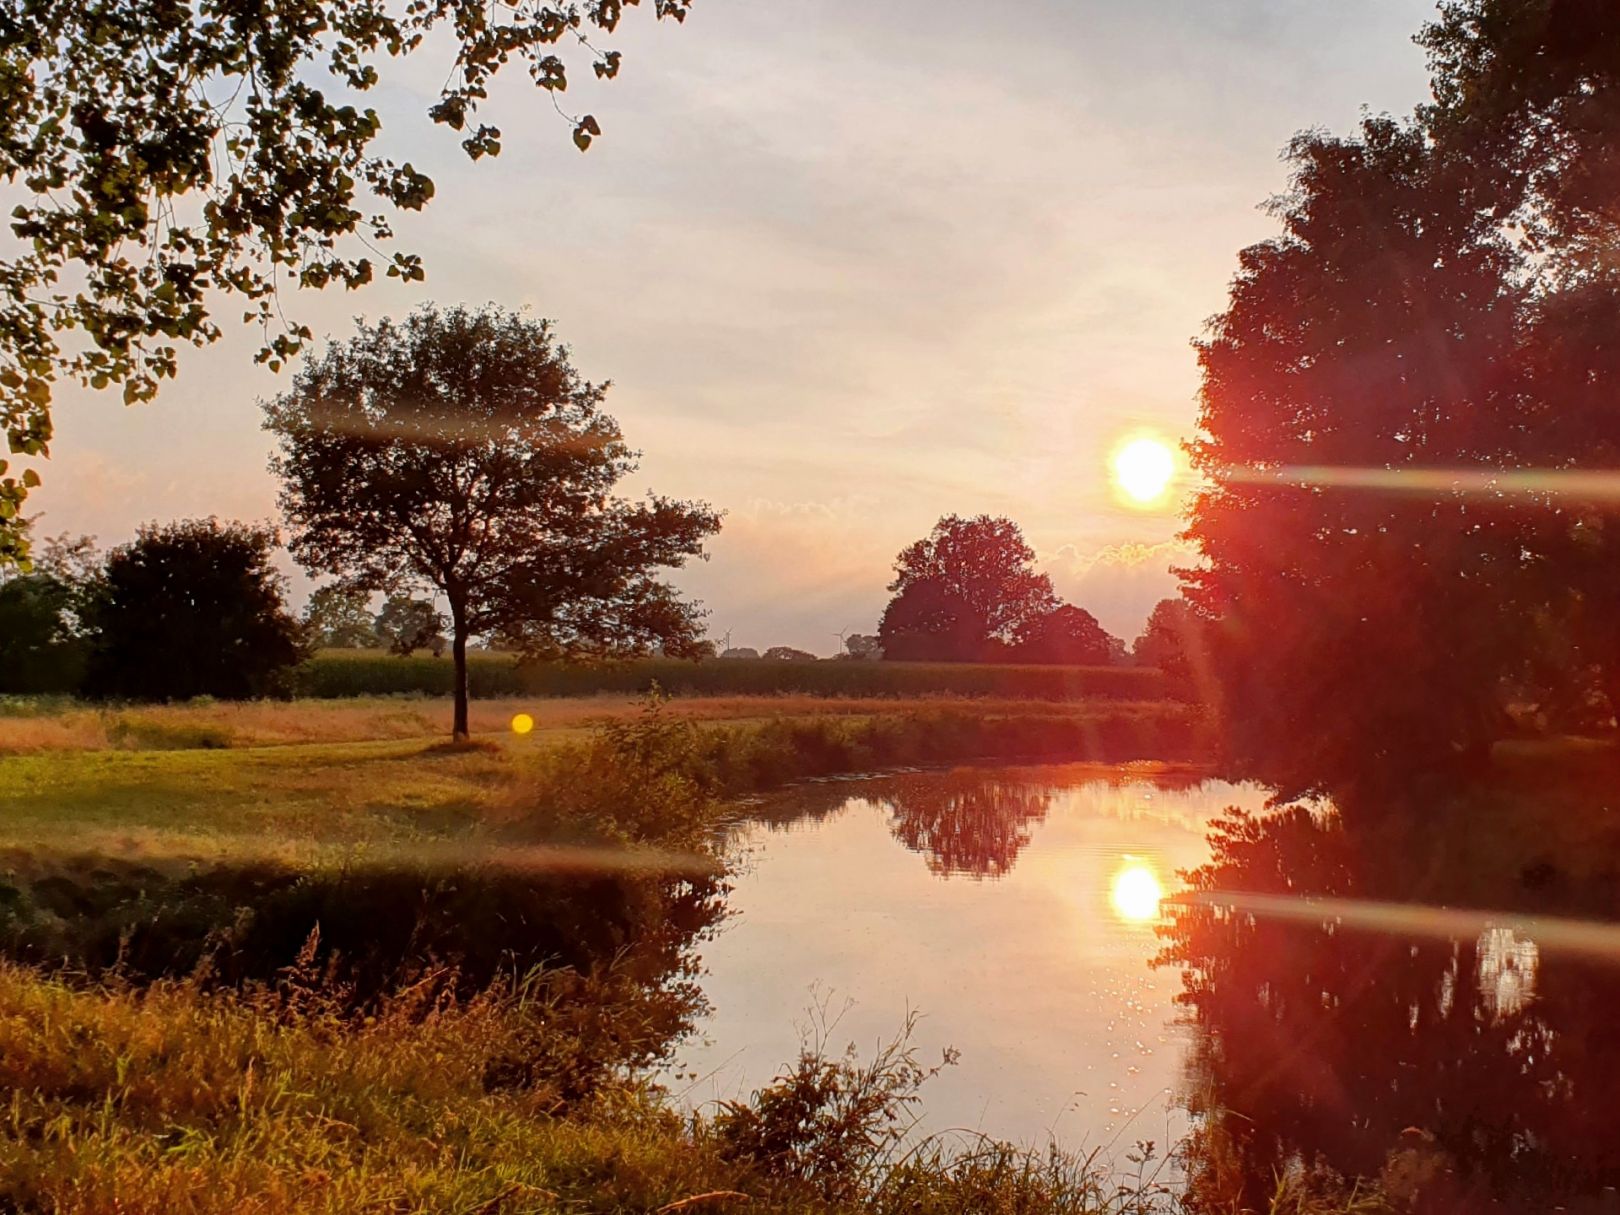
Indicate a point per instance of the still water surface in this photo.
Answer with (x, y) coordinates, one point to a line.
(1014, 908)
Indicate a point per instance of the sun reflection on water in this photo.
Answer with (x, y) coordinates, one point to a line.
(1136, 892)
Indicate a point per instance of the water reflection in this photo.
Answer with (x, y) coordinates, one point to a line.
(853, 891)
(1466, 1074)
(967, 823)
(1136, 892)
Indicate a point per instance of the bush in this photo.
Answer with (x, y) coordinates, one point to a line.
(189, 609)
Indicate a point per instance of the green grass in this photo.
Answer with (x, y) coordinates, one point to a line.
(393, 791)
(371, 672)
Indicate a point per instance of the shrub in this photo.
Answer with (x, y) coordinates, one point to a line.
(192, 608)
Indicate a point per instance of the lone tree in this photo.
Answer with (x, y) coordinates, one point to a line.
(459, 450)
(164, 158)
(192, 608)
(964, 591)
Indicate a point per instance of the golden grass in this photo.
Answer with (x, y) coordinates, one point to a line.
(73, 726)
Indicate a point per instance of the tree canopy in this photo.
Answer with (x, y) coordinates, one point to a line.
(460, 451)
(966, 586)
(192, 608)
(168, 155)
(1391, 569)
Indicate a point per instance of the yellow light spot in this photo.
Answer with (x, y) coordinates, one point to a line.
(522, 723)
(1136, 893)
(1143, 468)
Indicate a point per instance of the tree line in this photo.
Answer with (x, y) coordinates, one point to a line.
(456, 453)
(1408, 424)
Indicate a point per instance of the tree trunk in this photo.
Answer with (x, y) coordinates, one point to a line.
(458, 655)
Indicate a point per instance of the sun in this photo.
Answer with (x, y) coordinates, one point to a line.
(1143, 468)
(1136, 893)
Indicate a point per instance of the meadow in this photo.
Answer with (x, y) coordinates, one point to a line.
(344, 673)
(307, 956)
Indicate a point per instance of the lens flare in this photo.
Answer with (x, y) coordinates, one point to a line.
(1143, 468)
(1136, 893)
(522, 723)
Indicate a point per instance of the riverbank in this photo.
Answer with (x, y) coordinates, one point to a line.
(394, 975)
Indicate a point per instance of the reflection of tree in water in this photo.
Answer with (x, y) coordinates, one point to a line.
(967, 823)
(1478, 1073)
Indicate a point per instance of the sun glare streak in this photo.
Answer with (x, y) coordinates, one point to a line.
(1136, 893)
(1563, 483)
(1591, 938)
(1143, 468)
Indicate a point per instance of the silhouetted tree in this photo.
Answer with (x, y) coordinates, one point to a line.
(1066, 634)
(963, 592)
(1361, 634)
(740, 651)
(192, 608)
(163, 155)
(406, 625)
(42, 643)
(865, 646)
(1525, 104)
(339, 617)
(786, 653)
(460, 450)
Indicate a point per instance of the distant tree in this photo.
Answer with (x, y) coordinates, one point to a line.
(786, 653)
(740, 652)
(926, 623)
(962, 591)
(1170, 638)
(864, 646)
(165, 156)
(42, 643)
(192, 608)
(339, 617)
(406, 625)
(1069, 635)
(459, 450)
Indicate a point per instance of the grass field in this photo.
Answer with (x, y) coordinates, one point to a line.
(340, 774)
(343, 673)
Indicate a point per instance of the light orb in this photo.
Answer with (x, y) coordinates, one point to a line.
(1143, 468)
(1136, 893)
(522, 723)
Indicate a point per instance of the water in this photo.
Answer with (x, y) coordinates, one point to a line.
(1014, 908)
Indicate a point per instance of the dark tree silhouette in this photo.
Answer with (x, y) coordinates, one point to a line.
(1067, 634)
(1362, 634)
(164, 155)
(193, 608)
(963, 591)
(460, 450)
(37, 646)
(1318, 1040)
(339, 617)
(1525, 100)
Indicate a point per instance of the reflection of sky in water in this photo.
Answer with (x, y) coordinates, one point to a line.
(1507, 970)
(1035, 976)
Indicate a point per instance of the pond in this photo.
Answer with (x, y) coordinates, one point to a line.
(1013, 908)
(1425, 1000)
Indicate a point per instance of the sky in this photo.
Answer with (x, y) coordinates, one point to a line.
(850, 267)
